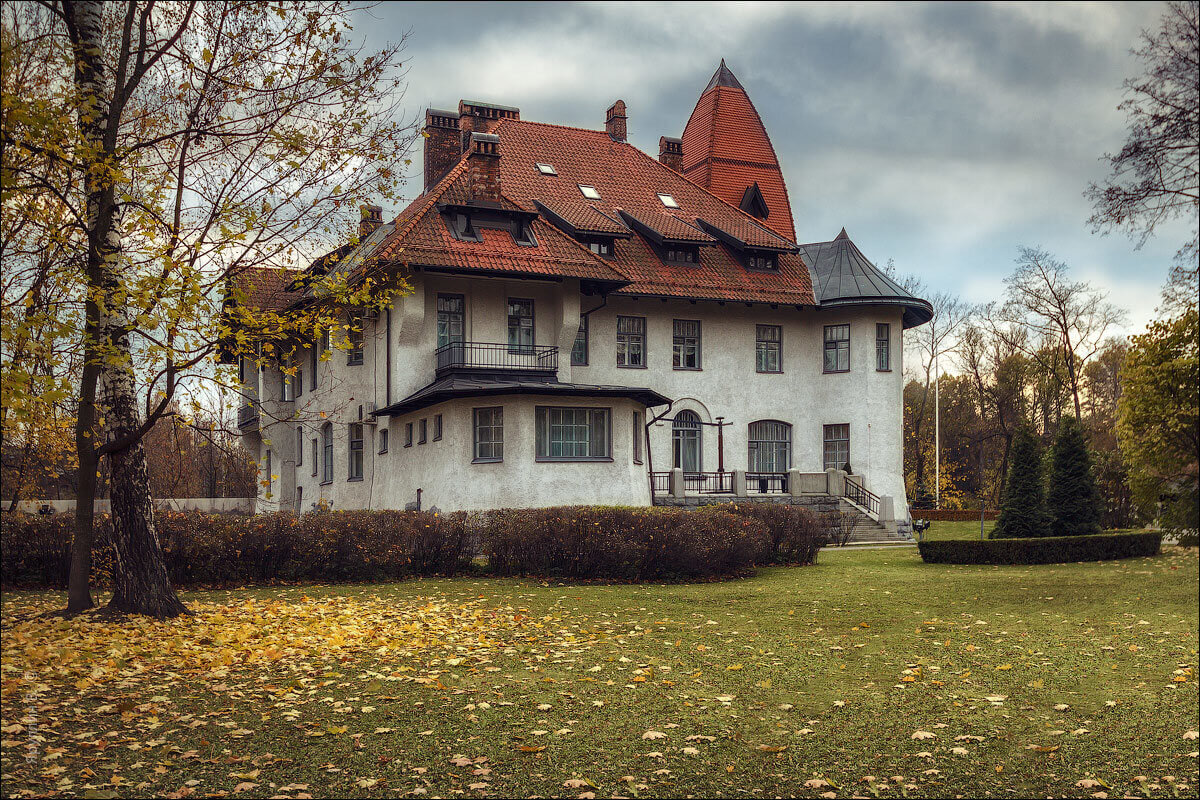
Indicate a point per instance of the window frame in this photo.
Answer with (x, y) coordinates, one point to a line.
(461, 313)
(687, 255)
(837, 348)
(883, 347)
(542, 417)
(582, 335)
(327, 454)
(437, 427)
(754, 446)
(641, 338)
(356, 337)
(678, 437)
(316, 456)
(475, 429)
(676, 345)
(759, 349)
(826, 440)
(639, 432)
(422, 430)
(314, 359)
(355, 450)
(583, 190)
(408, 434)
(521, 347)
(383, 440)
(299, 446)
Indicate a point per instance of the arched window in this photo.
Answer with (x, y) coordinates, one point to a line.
(770, 446)
(327, 448)
(686, 440)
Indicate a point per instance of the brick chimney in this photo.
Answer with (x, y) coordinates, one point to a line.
(443, 146)
(483, 167)
(670, 152)
(477, 117)
(372, 218)
(614, 121)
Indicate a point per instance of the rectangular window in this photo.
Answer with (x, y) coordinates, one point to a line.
(489, 434)
(269, 478)
(326, 343)
(572, 434)
(837, 446)
(437, 428)
(313, 355)
(286, 388)
(315, 451)
(638, 433)
(685, 346)
(383, 441)
(299, 447)
(298, 381)
(883, 341)
(837, 348)
(355, 470)
(408, 434)
(451, 319)
(631, 341)
(520, 326)
(355, 337)
(579, 350)
(422, 429)
(327, 444)
(768, 348)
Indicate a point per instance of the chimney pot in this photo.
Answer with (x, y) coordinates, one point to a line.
(372, 218)
(670, 152)
(615, 121)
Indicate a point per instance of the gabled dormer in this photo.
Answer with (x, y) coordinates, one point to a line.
(758, 248)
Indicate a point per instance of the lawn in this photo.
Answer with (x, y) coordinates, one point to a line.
(870, 674)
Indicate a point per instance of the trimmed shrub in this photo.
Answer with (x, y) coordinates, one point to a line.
(1041, 550)
(1023, 511)
(794, 534)
(216, 549)
(616, 543)
(1072, 499)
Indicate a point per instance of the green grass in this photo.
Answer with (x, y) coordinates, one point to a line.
(820, 673)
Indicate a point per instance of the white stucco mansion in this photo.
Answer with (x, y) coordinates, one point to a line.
(591, 325)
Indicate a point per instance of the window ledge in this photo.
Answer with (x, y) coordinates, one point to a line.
(353, 480)
(487, 461)
(572, 460)
(768, 371)
(631, 366)
(326, 483)
(687, 369)
(834, 371)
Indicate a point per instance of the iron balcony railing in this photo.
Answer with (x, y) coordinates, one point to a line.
(708, 482)
(496, 357)
(767, 482)
(247, 415)
(660, 482)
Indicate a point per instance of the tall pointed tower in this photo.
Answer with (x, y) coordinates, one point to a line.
(726, 150)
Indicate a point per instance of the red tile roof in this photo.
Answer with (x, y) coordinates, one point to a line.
(265, 287)
(726, 149)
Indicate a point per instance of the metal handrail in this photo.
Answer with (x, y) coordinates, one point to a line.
(496, 356)
(862, 496)
(708, 482)
(766, 482)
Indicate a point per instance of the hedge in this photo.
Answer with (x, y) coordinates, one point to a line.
(1048, 550)
(580, 542)
(953, 514)
(795, 534)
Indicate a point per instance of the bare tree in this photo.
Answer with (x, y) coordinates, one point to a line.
(1042, 305)
(1156, 175)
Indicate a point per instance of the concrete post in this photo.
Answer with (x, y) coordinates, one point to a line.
(835, 482)
(795, 489)
(887, 513)
(739, 482)
(676, 482)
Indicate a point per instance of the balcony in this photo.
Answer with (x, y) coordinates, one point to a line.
(490, 357)
(248, 415)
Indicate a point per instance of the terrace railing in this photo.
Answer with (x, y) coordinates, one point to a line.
(767, 482)
(496, 357)
(864, 497)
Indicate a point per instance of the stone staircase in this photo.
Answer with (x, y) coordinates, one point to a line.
(867, 530)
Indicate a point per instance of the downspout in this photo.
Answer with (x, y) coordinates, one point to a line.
(650, 450)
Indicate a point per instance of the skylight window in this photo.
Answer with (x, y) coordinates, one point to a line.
(668, 200)
(546, 169)
(588, 191)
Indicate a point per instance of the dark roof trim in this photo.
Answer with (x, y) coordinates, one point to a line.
(455, 388)
(753, 202)
(484, 207)
(566, 227)
(718, 300)
(916, 311)
(737, 244)
(661, 239)
(598, 283)
(723, 77)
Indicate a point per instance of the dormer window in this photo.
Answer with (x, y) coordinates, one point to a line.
(464, 229)
(768, 261)
(668, 200)
(546, 169)
(676, 254)
(601, 247)
(588, 191)
(523, 235)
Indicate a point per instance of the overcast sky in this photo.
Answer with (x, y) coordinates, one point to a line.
(942, 136)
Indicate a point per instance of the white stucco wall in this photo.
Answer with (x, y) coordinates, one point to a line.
(726, 385)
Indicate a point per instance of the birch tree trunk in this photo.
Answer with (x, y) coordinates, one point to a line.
(140, 577)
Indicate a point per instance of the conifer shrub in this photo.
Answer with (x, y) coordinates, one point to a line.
(1072, 500)
(1023, 509)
